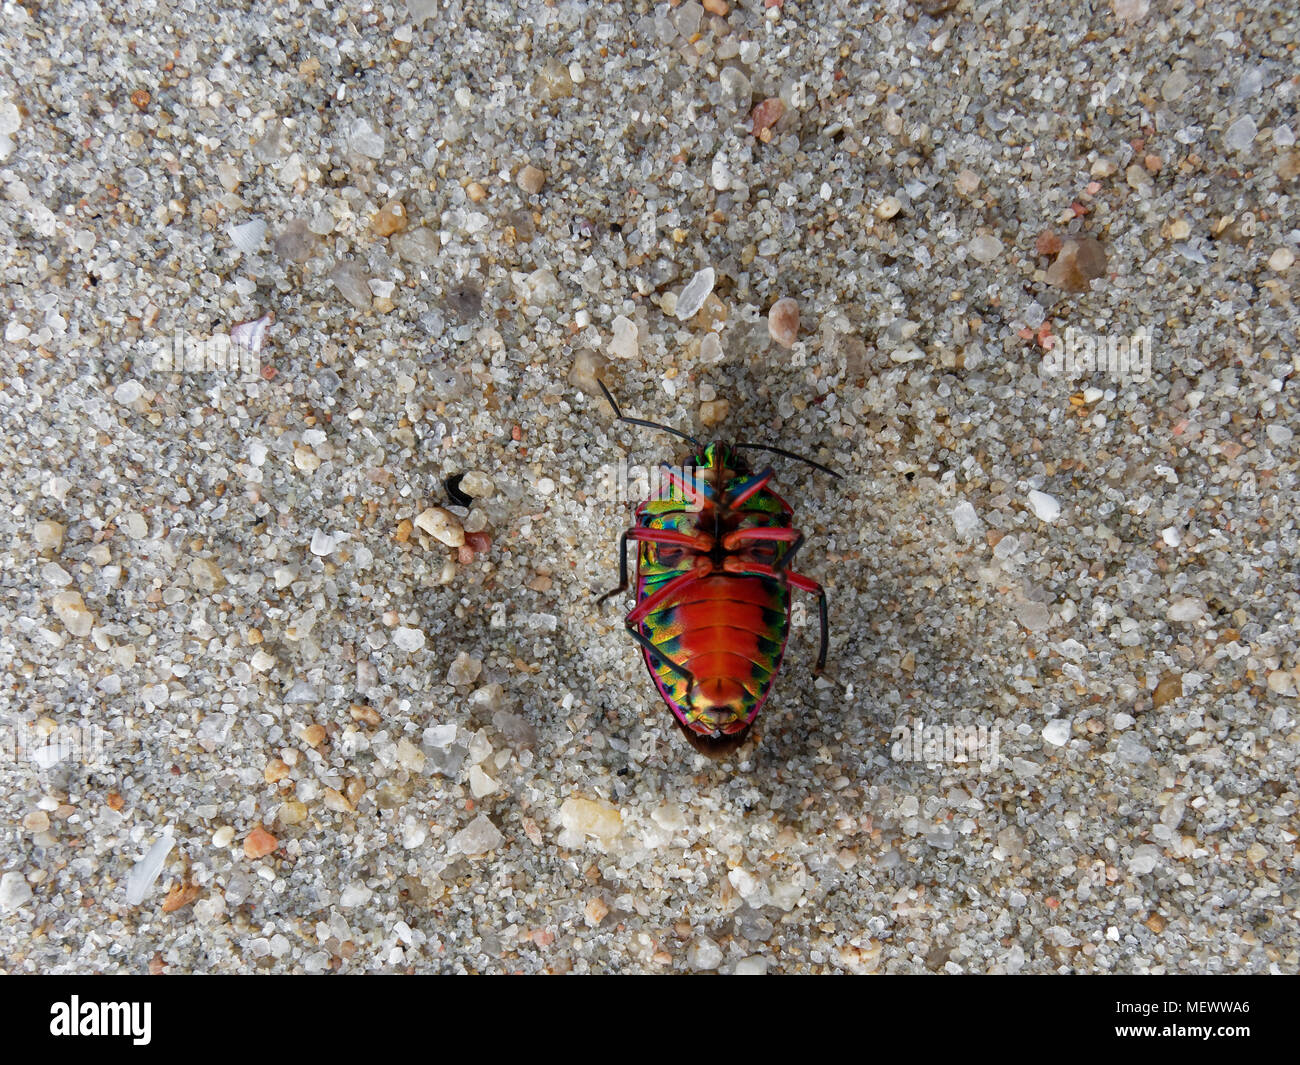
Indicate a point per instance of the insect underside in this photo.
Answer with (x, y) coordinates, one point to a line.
(713, 581)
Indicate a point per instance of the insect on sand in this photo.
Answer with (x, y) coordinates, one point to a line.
(713, 580)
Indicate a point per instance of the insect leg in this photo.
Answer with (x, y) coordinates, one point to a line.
(788, 557)
(760, 533)
(659, 656)
(792, 536)
(622, 569)
(772, 533)
(657, 536)
(695, 493)
(652, 603)
(748, 488)
(699, 541)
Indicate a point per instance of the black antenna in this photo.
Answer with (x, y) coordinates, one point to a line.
(649, 425)
(789, 455)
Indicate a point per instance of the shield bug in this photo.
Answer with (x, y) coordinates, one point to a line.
(713, 579)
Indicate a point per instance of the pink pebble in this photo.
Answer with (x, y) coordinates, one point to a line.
(783, 322)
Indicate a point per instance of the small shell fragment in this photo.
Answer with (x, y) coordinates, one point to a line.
(144, 874)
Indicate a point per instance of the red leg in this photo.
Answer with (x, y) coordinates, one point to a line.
(730, 541)
(652, 603)
(690, 489)
(790, 536)
(756, 484)
(699, 541)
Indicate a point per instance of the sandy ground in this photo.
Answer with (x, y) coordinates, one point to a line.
(257, 717)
